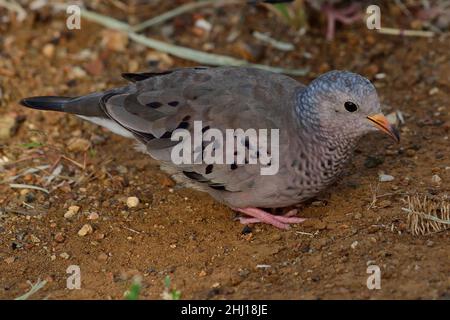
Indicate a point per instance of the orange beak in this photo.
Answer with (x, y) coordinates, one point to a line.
(380, 122)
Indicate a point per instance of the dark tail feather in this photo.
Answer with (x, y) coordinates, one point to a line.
(53, 103)
(88, 105)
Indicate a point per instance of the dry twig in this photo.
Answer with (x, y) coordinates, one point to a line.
(426, 216)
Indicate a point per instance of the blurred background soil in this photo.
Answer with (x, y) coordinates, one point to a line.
(182, 233)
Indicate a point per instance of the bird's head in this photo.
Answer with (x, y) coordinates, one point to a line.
(346, 104)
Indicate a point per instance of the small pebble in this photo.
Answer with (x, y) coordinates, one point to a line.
(354, 245)
(410, 152)
(85, 230)
(102, 256)
(433, 91)
(203, 24)
(74, 208)
(99, 236)
(34, 239)
(64, 255)
(7, 126)
(78, 73)
(93, 216)
(48, 50)
(59, 237)
(132, 202)
(385, 177)
(71, 212)
(436, 179)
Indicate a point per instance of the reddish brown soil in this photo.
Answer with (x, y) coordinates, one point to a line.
(186, 234)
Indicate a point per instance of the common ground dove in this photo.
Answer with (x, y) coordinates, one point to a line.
(306, 133)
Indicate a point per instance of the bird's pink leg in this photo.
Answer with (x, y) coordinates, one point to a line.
(261, 216)
(346, 15)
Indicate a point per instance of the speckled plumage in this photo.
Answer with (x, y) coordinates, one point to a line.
(317, 134)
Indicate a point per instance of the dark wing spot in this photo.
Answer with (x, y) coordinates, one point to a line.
(183, 125)
(233, 166)
(195, 176)
(219, 187)
(209, 169)
(154, 105)
(173, 103)
(204, 129)
(166, 135)
(198, 177)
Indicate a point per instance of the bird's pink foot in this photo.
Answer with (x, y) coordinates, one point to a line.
(346, 15)
(260, 216)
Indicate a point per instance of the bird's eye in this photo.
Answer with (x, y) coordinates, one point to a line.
(350, 106)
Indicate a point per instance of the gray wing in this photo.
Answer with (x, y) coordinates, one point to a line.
(221, 98)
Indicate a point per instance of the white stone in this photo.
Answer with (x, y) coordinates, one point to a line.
(132, 202)
(385, 177)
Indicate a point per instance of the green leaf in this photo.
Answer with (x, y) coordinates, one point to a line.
(92, 153)
(167, 282)
(283, 9)
(31, 145)
(133, 293)
(176, 294)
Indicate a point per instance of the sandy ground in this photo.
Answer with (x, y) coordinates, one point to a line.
(185, 234)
